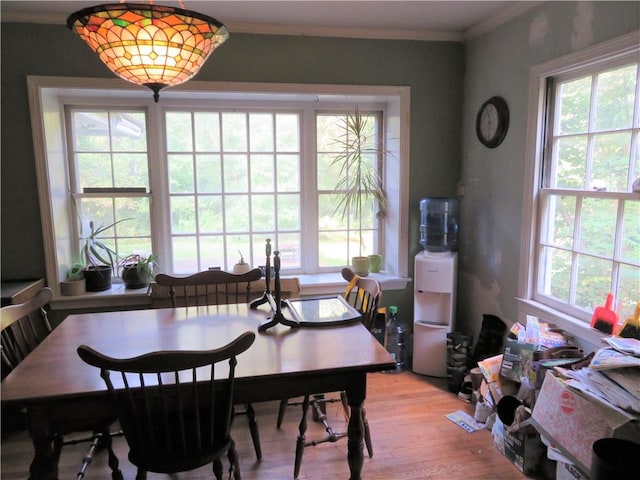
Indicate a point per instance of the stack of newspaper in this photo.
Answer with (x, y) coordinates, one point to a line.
(613, 376)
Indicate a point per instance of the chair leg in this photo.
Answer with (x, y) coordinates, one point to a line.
(367, 433)
(106, 440)
(281, 410)
(217, 468)
(234, 461)
(302, 428)
(253, 428)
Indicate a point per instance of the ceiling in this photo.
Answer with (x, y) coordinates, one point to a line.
(416, 20)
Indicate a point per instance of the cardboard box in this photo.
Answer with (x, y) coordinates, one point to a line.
(568, 471)
(524, 451)
(517, 359)
(572, 422)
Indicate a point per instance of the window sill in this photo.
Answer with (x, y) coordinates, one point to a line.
(118, 297)
(589, 339)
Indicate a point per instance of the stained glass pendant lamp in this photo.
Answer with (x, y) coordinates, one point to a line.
(156, 46)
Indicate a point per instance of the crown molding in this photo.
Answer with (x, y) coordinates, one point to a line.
(484, 26)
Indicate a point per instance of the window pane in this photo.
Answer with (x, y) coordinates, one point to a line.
(570, 162)
(598, 226)
(130, 170)
(236, 213)
(185, 259)
(290, 251)
(611, 162)
(327, 173)
(128, 132)
(210, 214)
(136, 210)
(556, 273)
(178, 131)
(288, 173)
(574, 101)
(263, 213)
(209, 173)
(593, 281)
(181, 174)
(288, 212)
(183, 219)
(328, 218)
(628, 290)
(615, 98)
(237, 244)
(211, 252)
(560, 229)
(90, 131)
(234, 132)
(262, 168)
(261, 132)
(333, 249)
(207, 127)
(236, 176)
(630, 244)
(94, 170)
(287, 132)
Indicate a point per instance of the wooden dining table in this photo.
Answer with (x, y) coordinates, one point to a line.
(62, 394)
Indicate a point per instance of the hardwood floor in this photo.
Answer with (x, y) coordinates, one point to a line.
(412, 440)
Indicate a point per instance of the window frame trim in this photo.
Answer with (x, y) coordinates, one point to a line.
(535, 143)
(47, 124)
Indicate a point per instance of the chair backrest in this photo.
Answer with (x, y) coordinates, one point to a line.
(289, 287)
(211, 287)
(363, 294)
(24, 326)
(173, 415)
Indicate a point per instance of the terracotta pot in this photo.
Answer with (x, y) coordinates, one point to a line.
(71, 288)
(360, 265)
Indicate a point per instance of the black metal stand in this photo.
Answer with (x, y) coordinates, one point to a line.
(274, 303)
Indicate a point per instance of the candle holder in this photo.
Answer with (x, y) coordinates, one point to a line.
(275, 303)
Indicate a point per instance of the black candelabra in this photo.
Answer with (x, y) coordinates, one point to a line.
(267, 297)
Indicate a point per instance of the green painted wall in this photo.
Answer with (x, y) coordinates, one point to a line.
(498, 63)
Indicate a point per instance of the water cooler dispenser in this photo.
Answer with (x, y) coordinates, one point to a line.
(435, 277)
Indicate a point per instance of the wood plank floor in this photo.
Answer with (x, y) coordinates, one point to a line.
(412, 440)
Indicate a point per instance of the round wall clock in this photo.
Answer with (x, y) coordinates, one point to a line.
(492, 122)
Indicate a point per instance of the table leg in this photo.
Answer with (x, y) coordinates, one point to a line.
(356, 394)
(44, 465)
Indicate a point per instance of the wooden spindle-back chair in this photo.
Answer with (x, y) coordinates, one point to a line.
(174, 409)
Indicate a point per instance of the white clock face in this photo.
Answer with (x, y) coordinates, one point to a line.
(489, 122)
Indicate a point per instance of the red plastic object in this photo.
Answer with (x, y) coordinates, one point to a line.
(604, 318)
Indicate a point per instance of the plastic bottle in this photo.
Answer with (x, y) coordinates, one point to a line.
(438, 224)
(396, 339)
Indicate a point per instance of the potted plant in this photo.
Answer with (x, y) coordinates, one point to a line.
(99, 258)
(138, 270)
(75, 283)
(359, 181)
(242, 266)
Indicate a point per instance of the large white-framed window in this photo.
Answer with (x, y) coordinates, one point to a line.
(584, 235)
(208, 147)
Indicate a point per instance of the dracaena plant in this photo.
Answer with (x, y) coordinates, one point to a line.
(359, 180)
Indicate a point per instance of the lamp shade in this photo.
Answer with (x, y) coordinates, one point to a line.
(152, 45)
